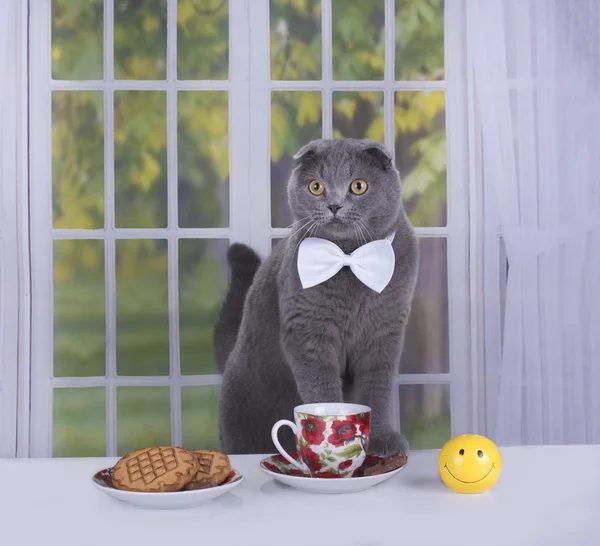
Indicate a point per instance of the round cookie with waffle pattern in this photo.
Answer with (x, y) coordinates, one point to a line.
(214, 467)
(158, 469)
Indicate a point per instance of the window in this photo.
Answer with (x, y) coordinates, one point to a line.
(162, 130)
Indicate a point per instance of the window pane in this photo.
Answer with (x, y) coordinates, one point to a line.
(358, 114)
(140, 159)
(203, 274)
(142, 307)
(79, 301)
(199, 417)
(420, 40)
(77, 159)
(143, 418)
(79, 422)
(140, 39)
(426, 346)
(296, 40)
(358, 39)
(295, 120)
(420, 130)
(425, 415)
(202, 40)
(77, 36)
(203, 158)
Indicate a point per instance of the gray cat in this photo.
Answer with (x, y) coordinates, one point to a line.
(279, 345)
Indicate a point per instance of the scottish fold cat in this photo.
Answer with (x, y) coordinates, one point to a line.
(280, 345)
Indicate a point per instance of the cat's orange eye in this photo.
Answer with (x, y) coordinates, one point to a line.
(358, 187)
(316, 187)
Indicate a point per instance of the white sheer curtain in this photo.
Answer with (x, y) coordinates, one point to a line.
(536, 68)
(7, 9)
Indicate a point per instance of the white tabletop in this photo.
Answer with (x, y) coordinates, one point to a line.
(545, 496)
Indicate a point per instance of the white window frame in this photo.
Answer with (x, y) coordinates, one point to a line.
(249, 89)
(14, 278)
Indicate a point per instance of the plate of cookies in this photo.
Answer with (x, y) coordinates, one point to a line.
(166, 477)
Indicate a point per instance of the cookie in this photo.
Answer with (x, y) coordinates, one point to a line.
(214, 469)
(157, 469)
(386, 464)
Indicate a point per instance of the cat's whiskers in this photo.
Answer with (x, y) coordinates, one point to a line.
(314, 230)
(297, 222)
(367, 228)
(310, 221)
(308, 227)
(356, 233)
(360, 231)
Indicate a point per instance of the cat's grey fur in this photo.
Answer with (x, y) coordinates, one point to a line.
(279, 345)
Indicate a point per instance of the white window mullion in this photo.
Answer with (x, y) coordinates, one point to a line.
(242, 186)
(173, 223)
(40, 169)
(137, 381)
(110, 274)
(477, 249)
(143, 233)
(389, 75)
(260, 126)
(13, 316)
(111, 339)
(463, 406)
(389, 141)
(327, 67)
(23, 235)
(140, 85)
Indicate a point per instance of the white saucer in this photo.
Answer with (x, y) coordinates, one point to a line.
(165, 501)
(275, 466)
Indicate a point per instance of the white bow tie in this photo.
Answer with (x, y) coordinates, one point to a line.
(373, 263)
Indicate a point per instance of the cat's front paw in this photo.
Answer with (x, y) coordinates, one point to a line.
(388, 443)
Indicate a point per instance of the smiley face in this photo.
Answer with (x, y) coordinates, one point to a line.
(470, 463)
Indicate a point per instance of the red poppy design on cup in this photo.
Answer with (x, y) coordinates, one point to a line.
(310, 459)
(312, 430)
(345, 464)
(327, 475)
(363, 421)
(343, 431)
(271, 467)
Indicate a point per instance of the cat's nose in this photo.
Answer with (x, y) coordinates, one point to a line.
(334, 208)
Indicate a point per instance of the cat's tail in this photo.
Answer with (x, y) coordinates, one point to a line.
(244, 264)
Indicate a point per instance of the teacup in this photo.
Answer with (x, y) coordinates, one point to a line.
(331, 439)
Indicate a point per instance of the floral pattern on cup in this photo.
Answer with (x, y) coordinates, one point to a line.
(331, 440)
(333, 446)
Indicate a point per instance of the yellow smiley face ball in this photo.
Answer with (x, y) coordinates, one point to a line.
(470, 463)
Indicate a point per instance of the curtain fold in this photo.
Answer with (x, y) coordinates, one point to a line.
(7, 10)
(536, 68)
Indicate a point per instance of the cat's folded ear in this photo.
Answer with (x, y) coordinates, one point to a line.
(378, 151)
(308, 151)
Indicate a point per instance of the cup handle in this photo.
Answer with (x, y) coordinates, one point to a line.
(284, 422)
